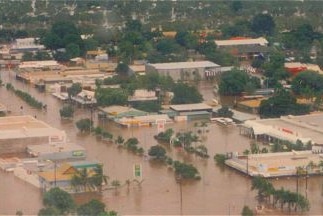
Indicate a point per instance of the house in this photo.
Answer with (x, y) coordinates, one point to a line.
(61, 175)
(185, 70)
(244, 48)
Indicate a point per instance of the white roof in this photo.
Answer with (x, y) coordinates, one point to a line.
(38, 64)
(192, 107)
(179, 65)
(253, 41)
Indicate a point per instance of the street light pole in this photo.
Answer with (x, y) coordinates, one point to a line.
(179, 181)
(55, 172)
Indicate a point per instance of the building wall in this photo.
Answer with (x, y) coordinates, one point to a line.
(19, 145)
(184, 74)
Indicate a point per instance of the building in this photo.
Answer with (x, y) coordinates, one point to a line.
(26, 44)
(188, 112)
(56, 152)
(250, 106)
(244, 48)
(237, 116)
(141, 95)
(185, 70)
(137, 69)
(296, 67)
(18, 132)
(85, 98)
(305, 128)
(116, 112)
(147, 120)
(62, 174)
(295, 163)
(40, 65)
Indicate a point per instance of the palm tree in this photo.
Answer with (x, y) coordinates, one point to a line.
(82, 181)
(116, 184)
(99, 179)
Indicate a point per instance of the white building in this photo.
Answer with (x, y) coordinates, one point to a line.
(185, 70)
(27, 44)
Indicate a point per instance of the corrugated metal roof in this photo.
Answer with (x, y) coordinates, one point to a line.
(183, 65)
(260, 41)
(190, 107)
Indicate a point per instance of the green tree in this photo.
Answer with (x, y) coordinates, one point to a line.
(185, 171)
(84, 125)
(220, 159)
(185, 94)
(73, 50)
(224, 111)
(82, 181)
(246, 211)
(93, 208)
(263, 24)
(307, 83)
(233, 82)
(66, 111)
(122, 69)
(74, 90)
(110, 96)
(165, 136)
(59, 199)
(157, 152)
(283, 103)
(49, 211)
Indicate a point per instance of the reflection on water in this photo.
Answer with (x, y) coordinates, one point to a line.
(218, 192)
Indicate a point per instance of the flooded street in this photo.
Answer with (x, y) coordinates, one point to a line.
(219, 192)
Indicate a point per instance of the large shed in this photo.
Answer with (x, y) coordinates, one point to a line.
(185, 70)
(17, 132)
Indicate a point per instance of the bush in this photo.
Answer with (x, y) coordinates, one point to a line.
(66, 111)
(84, 125)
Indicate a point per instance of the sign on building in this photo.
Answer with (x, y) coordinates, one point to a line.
(137, 171)
(160, 125)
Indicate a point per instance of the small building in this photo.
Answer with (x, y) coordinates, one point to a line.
(57, 152)
(185, 70)
(250, 106)
(244, 48)
(147, 120)
(18, 132)
(62, 174)
(191, 112)
(297, 67)
(85, 98)
(141, 95)
(238, 117)
(26, 44)
(40, 65)
(137, 69)
(115, 112)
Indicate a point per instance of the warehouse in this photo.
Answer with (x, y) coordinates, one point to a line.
(185, 70)
(18, 132)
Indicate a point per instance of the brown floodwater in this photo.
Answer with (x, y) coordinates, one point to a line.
(219, 192)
